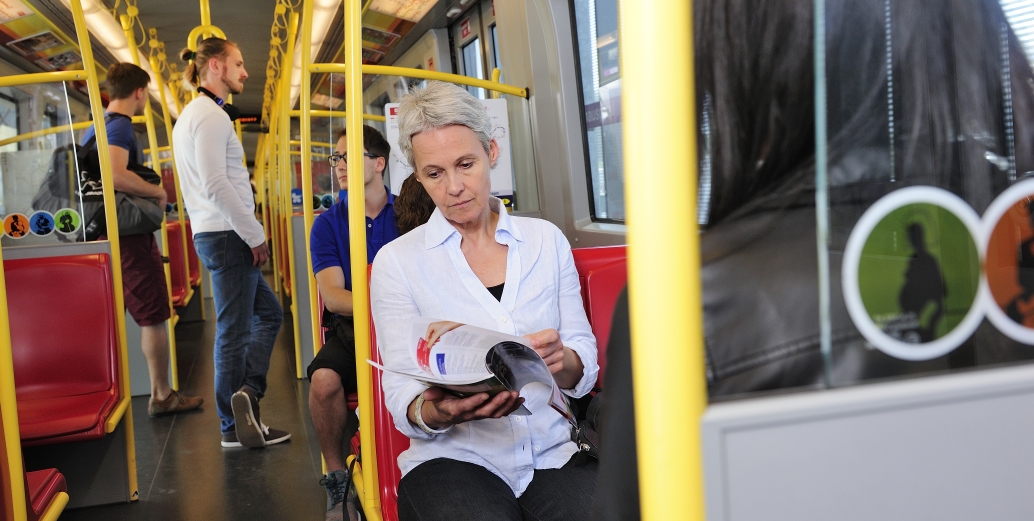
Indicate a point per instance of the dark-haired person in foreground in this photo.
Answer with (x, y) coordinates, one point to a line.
(469, 458)
(759, 265)
(332, 371)
(143, 276)
(229, 240)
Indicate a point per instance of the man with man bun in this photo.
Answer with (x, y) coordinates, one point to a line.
(229, 240)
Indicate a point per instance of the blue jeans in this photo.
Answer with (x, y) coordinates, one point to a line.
(247, 318)
(445, 489)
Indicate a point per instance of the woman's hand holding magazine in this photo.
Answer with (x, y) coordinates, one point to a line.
(477, 365)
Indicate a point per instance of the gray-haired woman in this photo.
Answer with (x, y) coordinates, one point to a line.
(475, 264)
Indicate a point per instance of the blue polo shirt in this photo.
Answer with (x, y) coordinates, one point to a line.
(329, 241)
(120, 134)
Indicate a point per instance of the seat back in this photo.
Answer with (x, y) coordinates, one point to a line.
(603, 273)
(177, 264)
(63, 334)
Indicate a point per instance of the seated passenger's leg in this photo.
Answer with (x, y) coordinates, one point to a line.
(444, 489)
(561, 494)
(329, 414)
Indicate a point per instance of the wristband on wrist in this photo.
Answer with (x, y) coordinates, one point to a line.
(420, 420)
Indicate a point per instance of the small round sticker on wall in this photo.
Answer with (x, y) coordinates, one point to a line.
(911, 274)
(67, 221)
(1009, 265)
(41, 223)
(16, 225)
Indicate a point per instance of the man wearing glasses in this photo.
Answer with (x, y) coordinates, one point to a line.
(332, 372)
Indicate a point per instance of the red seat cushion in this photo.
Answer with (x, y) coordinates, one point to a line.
(66, 378)
(43, 485)
(69, 418)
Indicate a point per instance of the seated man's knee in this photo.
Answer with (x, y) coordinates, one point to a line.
(325, 385)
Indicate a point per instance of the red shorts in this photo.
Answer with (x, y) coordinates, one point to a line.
(143, 280)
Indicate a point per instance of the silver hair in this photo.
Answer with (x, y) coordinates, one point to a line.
(440, 105)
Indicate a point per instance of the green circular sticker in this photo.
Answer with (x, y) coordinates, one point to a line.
(67, 220)
(912, 273)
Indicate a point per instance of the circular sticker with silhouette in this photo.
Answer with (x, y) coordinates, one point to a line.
(67, 221)
(1009, 264)
(912, 273)
(16, 225)
(327, 201)
(41, 223)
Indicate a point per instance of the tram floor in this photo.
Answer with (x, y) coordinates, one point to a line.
(183, 472)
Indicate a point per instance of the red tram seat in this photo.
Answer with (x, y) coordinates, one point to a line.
(176, 264)
(603, 273)
(193, 264)
(66, 377)
(42, 487)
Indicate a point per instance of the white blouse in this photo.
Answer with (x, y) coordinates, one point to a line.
(424, 274)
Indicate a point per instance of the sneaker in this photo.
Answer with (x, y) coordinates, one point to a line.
(336, 492)
(246, 418)
(269, 436)
(173, 403)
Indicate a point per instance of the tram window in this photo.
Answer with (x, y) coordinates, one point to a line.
(495, 50)
(1021, 18)
(596, 24)
(8, 122)
(472, 65)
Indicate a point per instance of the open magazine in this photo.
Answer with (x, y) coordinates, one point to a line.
(466, 360)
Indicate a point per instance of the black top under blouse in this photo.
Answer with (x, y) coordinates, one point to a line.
(497, 291)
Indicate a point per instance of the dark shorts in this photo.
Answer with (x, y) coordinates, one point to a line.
(338, 351)
(143, 280)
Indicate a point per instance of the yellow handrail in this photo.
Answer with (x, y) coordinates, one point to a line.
(42, 77)
(313, 143)
(286, 172)
(147, 151)
(385, 70)
(152, 141)
(338, 114)
(9, 413)
(46, 132)
(663, 261)
(306, 163)
(57, 505)
(86, 50)
(208, 29)
(353, 70)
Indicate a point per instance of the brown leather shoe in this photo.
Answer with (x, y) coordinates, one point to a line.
(174, 403)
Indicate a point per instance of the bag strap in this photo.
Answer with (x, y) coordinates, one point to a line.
(89, 145)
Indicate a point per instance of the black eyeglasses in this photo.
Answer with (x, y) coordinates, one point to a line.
(334, 158)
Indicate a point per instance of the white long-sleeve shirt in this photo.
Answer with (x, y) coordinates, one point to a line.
(424, 273)
(215, 183)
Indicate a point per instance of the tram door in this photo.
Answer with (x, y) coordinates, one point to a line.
(475, 44)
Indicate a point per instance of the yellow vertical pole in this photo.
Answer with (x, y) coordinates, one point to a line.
(180, 215)
(357, 243)
(663, 261)
(15, 478)
(306, 127)
(206, 17)
(152, 140)
(272, 189)
(287, 170)
(103, 154)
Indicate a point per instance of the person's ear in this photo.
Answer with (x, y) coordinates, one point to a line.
(381, 163)
(493, 152)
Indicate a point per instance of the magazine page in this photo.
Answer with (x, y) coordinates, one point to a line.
(466, 360)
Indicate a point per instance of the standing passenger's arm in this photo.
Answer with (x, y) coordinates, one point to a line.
(125, 180)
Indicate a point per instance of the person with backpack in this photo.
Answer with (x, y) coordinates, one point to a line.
(143, 276)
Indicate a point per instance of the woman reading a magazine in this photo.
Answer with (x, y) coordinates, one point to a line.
(474, 264)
